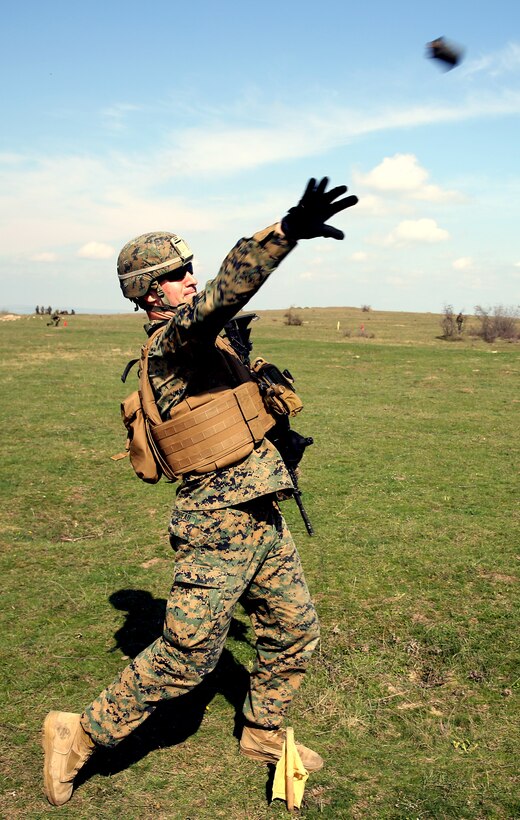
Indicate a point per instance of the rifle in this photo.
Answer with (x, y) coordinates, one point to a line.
(290, 444)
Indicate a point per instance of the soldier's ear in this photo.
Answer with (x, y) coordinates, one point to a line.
(150, 299)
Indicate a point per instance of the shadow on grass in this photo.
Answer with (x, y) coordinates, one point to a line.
(144, 621)
(450, 338)
(175, 720)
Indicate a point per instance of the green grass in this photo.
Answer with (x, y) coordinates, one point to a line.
(412, 487)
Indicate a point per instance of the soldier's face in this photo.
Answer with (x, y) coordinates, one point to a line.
(180, 290)
(176, 290)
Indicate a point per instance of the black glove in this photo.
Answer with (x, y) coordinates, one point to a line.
(307, 219)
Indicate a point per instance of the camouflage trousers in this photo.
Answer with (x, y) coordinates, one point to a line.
(222, 556)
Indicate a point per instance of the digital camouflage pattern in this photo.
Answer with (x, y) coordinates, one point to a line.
(182, 356)
(230, 539)
(261, 473)
(183, 360)
(222, 556)
(150, 250)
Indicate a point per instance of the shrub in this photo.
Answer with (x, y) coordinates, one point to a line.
(292, 318)
(360, 332)
(366, 308)
(449, 324)
(497, 323)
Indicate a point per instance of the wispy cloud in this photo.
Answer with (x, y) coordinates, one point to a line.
(67, 200)
(294, 133)
(497, 63)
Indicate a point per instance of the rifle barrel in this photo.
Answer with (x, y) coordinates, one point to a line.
(298, 498)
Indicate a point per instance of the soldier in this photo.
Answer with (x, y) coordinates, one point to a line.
(55, 319)
(230, 539)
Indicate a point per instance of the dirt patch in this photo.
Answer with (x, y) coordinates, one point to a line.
(498, 577)
(42, 357)
(153, 562)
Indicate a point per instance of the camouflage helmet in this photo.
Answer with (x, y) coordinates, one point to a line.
(146, 258)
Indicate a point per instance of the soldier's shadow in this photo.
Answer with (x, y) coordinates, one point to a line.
(175, 720)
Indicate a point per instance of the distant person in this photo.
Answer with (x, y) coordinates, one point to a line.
(460, 322)
(37, 311)
(49, 310)
(55, 319)
(230, 539)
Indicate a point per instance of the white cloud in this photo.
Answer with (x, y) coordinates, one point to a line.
(398, 173)
(402, 174)
(463, 263)
(411, 231)
(52, 204)
(44, 256)
(96, 250)
(67, 200)
(359, 256)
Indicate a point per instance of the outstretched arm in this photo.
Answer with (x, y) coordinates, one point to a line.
(248, 265)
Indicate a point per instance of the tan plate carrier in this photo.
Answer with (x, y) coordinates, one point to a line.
(207, 431)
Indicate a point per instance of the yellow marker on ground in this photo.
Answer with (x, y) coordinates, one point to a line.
(290, 775)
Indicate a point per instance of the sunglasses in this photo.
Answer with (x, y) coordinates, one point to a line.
(176, 275)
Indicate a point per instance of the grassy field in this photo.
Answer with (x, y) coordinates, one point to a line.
(412, 487)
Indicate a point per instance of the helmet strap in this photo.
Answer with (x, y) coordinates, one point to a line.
(156, 287)
(164, 306)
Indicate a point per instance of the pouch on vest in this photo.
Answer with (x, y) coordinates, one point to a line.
(138, 445)
(277, 388)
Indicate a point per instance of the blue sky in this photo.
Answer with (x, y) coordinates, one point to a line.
(208, 118)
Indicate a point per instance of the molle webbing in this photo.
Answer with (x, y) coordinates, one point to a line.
(210, 430)
(213, 430)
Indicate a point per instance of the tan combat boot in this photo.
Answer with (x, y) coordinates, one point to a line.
(266, 745)
(67, 747)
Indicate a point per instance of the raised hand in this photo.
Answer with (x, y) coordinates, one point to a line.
(308, 219)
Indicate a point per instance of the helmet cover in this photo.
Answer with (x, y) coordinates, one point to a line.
(147, 258)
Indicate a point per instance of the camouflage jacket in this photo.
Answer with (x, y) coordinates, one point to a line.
(183, 361)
